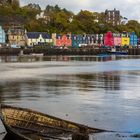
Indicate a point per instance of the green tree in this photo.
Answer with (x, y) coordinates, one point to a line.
(15, 4)
(133, 25)
(86, 22)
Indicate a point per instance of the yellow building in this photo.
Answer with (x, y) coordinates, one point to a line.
(16, 37)
(54, 38)
(125, 41)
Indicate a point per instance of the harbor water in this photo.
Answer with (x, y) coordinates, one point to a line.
(99, 91)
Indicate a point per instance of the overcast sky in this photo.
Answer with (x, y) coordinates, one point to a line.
(128, 8)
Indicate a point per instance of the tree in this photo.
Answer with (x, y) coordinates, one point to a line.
(15, 4)
(33, 6)
(86, 21)
(61, 21)
(133, 25)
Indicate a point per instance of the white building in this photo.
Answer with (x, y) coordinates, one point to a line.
(38, 38)
(43, 15)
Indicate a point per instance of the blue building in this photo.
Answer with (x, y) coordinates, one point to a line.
(133, 39)
(2, 36)
(89, 39)
(82, 40)
(77, 40)
(99, 39)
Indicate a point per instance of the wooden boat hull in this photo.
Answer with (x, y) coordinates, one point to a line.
(12, 134)
(26, 124)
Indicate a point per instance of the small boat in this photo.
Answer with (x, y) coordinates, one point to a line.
(119, 52)
(31, 55)
(37, 54)
(26, 124)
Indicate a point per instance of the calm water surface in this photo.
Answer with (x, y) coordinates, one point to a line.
(99, 91)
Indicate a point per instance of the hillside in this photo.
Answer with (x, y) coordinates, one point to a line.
(59, 20)
(12, 14)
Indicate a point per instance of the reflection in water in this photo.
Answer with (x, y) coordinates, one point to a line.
(90, 90)
(107, 81)
(30, 58)
(59, 84)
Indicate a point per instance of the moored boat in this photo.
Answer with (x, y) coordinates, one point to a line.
(117, 52)
(26, 124)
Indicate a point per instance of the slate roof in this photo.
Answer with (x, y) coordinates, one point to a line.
(16, 31)
(35, 35)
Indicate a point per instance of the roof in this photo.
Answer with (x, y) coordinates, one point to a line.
(35, 35)
(16, 31)
(60, 36)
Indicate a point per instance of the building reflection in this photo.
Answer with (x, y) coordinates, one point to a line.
(106, 81)
(16, 90)
(37, 58)
(111, 81)
(8, 58)
(59, 85)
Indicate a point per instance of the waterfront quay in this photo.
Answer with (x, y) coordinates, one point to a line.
(63, 51)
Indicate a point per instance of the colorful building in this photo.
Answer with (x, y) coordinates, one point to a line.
(87, 39)
(38, 38)
(133, 39)
(125, 39)
(2, 36)
(117, 39)
(62, 40)
(16, 37)
(139, 41)
(83, 40)
(99, 39)
(109, 39)
(76, 40)
(54, 39)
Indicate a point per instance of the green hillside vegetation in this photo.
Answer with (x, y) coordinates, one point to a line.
(60, 20)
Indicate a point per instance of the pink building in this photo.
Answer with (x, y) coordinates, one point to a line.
(117, 41)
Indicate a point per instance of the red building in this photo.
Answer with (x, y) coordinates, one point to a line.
(63, 40)
(109, 39)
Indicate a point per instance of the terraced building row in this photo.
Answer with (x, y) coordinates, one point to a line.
(17, 37)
